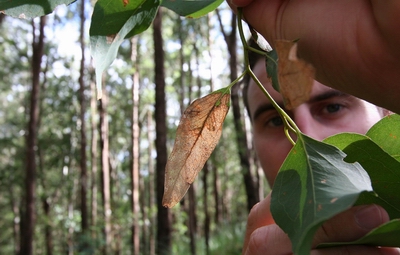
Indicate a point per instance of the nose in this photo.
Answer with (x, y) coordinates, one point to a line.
(308, 124)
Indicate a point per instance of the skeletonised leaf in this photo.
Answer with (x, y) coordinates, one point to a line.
(295, 76)
(30, 9)
(197, 135)
(306, 191)
(193, 8)
(112, 22)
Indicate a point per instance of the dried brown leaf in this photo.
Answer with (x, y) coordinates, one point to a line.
(295, 75)
(197, 135)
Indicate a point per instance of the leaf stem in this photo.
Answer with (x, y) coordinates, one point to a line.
(290, 125)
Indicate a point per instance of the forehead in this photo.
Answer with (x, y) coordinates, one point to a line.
(256, 97)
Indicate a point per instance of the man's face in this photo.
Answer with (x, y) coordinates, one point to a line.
(326, 113)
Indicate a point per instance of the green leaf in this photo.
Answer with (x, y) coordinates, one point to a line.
(386, 133)
(382, 168)
(30, 9)
(192, 8)
(112, 22)
(306, 191)
(271, 63)
(378, 153)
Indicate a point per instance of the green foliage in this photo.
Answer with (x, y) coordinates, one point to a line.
(112, 22)
(318, 181)
(192, 9)
(314, 184)
(272, 68)
(29, 8)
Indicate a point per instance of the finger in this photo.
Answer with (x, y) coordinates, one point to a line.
(351, 224)
(268, 239)
(356, 250)
(259, 216)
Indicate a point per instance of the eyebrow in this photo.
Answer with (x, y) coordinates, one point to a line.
(331, 93)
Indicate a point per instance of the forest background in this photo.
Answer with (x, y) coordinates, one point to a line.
(85, 176)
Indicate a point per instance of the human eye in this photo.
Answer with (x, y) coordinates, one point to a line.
(269, 120)
(332, 108)
(275, 121)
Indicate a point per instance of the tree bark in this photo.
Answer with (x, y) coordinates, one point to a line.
(152, 197)
(29, 217)
(163, 214)
(135, 131)
(241, 138)
(93, 155)
(207, 220)
(82, 101)
(105, 171)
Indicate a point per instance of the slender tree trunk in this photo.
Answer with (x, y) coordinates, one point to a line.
(163, 214)
(93, 152)
(207, 220)
(192, 189)
(46, 205)
(151, 188)
(82, 101)
(135, 151)
(241, 139)
(217, 200)
(181, 95)
(47, 231)
(31, 141)
(105, 171)
(115, 192)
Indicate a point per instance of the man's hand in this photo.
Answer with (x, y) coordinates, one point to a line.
(354, 45)
(264, 237)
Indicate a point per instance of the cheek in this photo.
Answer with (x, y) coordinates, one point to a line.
(363, 121)
(271, 155)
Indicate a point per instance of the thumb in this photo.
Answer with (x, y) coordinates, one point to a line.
(260, 215)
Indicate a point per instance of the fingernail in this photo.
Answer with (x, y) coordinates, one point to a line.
(369, 217)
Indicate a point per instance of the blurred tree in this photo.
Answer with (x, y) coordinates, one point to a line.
(135, 132)
(29, 213)
(105, 171)
(163, 245)
(82, 102)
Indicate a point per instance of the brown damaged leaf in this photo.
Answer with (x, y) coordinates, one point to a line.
(197, 135)
(295, 75)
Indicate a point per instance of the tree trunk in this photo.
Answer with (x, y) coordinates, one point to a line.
(152, 198)
(93, 155)
(105, 171)
(82, 101)
(47, 231)
(241, 138)
(29, 216)
(135, 151)
(163, 214)
(206, 211)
